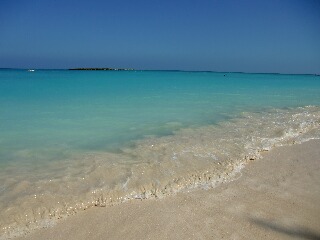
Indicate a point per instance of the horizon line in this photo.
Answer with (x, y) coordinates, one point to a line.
(165, 70)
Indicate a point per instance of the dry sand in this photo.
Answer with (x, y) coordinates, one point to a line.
(277, 197)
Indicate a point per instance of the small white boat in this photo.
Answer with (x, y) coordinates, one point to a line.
(30, 70)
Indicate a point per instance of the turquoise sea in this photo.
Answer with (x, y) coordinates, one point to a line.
(75, 139)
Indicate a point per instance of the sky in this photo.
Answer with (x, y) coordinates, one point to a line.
(280, 36)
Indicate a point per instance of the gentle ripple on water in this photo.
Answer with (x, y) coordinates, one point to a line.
(154, 167)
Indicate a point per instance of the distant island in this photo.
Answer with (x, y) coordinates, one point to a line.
(103, 69)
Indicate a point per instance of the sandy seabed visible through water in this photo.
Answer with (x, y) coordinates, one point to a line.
(152, 168)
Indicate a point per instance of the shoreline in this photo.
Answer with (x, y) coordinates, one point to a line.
(192, 158)
(275, 198)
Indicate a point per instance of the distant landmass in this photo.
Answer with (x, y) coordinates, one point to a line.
(103, 69)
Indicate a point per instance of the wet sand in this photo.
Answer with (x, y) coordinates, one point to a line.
(277, 197)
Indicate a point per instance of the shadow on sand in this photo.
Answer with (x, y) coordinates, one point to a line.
(297, 232)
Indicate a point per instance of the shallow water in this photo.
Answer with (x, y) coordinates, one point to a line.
(72, 139)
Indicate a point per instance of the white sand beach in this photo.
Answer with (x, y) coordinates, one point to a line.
(276, 197)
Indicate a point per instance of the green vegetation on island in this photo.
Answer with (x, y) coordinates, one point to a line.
(103, 69)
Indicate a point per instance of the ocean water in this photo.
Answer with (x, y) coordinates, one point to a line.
(76, 139)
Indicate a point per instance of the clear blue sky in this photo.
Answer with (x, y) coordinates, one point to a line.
(218, 35)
